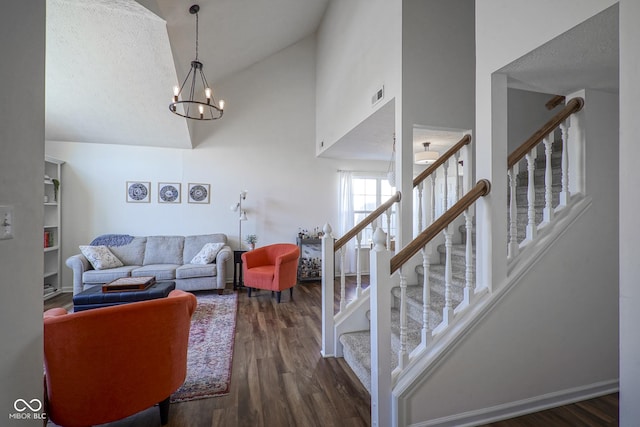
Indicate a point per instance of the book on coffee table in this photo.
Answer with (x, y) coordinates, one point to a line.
(129, 284)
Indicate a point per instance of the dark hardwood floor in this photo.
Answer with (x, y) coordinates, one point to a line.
(280, 379)
(278, 376)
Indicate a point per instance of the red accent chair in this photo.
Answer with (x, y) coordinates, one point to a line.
(108, 363)
(272, 267)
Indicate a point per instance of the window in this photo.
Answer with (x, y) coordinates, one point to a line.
(367, 193)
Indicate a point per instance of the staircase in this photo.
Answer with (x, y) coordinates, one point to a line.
(357, 345)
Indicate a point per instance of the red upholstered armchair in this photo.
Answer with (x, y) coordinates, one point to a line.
(108, 363)
(272, 267)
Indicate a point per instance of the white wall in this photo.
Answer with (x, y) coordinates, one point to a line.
(22, 44)
(629, 208)
(264, 144)
(527, 113)
(358, 52)
(555, 335)
(438, 66)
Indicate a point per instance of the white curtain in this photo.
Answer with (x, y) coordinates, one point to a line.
(346, 220)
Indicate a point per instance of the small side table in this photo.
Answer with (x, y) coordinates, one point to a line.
(237, 269)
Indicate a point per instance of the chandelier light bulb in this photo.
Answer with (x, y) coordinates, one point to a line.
(221, 103)
(207, 94)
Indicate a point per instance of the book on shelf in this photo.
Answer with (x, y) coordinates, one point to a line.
(48, 239)
(129, 284)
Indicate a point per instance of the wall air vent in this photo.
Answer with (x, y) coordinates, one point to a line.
(377, 96)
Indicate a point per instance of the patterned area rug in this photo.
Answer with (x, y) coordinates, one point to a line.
(210, 353)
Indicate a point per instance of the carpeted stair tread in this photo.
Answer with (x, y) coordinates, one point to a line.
(357, 345)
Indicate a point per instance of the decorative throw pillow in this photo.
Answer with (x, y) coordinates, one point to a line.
(207, 254)
(100, 257)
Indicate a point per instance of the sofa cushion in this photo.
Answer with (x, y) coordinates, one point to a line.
(193, 244)
(207, 254)
(164, 250)
(188, 271)
(160, 271)
(106, 276)
(100, 257)
(131, 253)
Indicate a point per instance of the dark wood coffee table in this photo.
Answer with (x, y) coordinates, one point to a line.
(95, 298)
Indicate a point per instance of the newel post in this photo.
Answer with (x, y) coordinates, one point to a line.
(328, 281)
(380, 305)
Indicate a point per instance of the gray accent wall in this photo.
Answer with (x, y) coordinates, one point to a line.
(22, 46)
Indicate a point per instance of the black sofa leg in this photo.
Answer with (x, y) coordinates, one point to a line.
(249, 292)
(278, 295)
(291, 293)
(164, 411)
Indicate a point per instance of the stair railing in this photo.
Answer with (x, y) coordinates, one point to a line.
(425, 218)
(528, 150)
(329, 250)
(383, 266)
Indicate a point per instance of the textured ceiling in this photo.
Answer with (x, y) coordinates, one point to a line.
(237, 33)
(373, 138)
(111, 64)
(109, 74)
(584, 57)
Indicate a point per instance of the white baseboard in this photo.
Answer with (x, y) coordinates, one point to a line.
(523, 407)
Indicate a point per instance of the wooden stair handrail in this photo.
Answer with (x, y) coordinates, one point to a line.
(482, 188)
(368, 220)
(440, 160)
(554, 102)
(572, 106)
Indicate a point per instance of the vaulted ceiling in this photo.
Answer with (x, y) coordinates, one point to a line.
(111, 64)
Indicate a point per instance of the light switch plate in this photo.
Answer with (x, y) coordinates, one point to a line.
(6, 222)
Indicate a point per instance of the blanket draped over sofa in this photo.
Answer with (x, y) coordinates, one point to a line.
(165, 257)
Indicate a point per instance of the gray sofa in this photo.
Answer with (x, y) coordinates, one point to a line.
(165, 257)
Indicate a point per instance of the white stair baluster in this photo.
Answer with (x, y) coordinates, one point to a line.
(513, 248)
(445, 167)
(389, 228)
(403, 355)
(457, 181)
(358, 266)
(564, 192)
(468, 272)
(531, 196)
(343, 284)
(426, 294)
(447, 310)
(548, 195)
(420, 211)
(432, 208)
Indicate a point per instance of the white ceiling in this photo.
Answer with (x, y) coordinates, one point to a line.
(587, 56)
(110, 64)
(373, 138)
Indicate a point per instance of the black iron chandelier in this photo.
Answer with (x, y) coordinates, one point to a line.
(196, 102)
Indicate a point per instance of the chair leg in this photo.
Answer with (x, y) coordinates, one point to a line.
(249, 292)
(164, 411)
(291, 292)
(278, 295)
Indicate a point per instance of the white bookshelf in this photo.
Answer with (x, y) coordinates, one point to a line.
(52, 281)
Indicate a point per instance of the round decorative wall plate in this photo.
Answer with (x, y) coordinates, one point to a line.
(138, 192)
(169, 193)
(198, 193)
